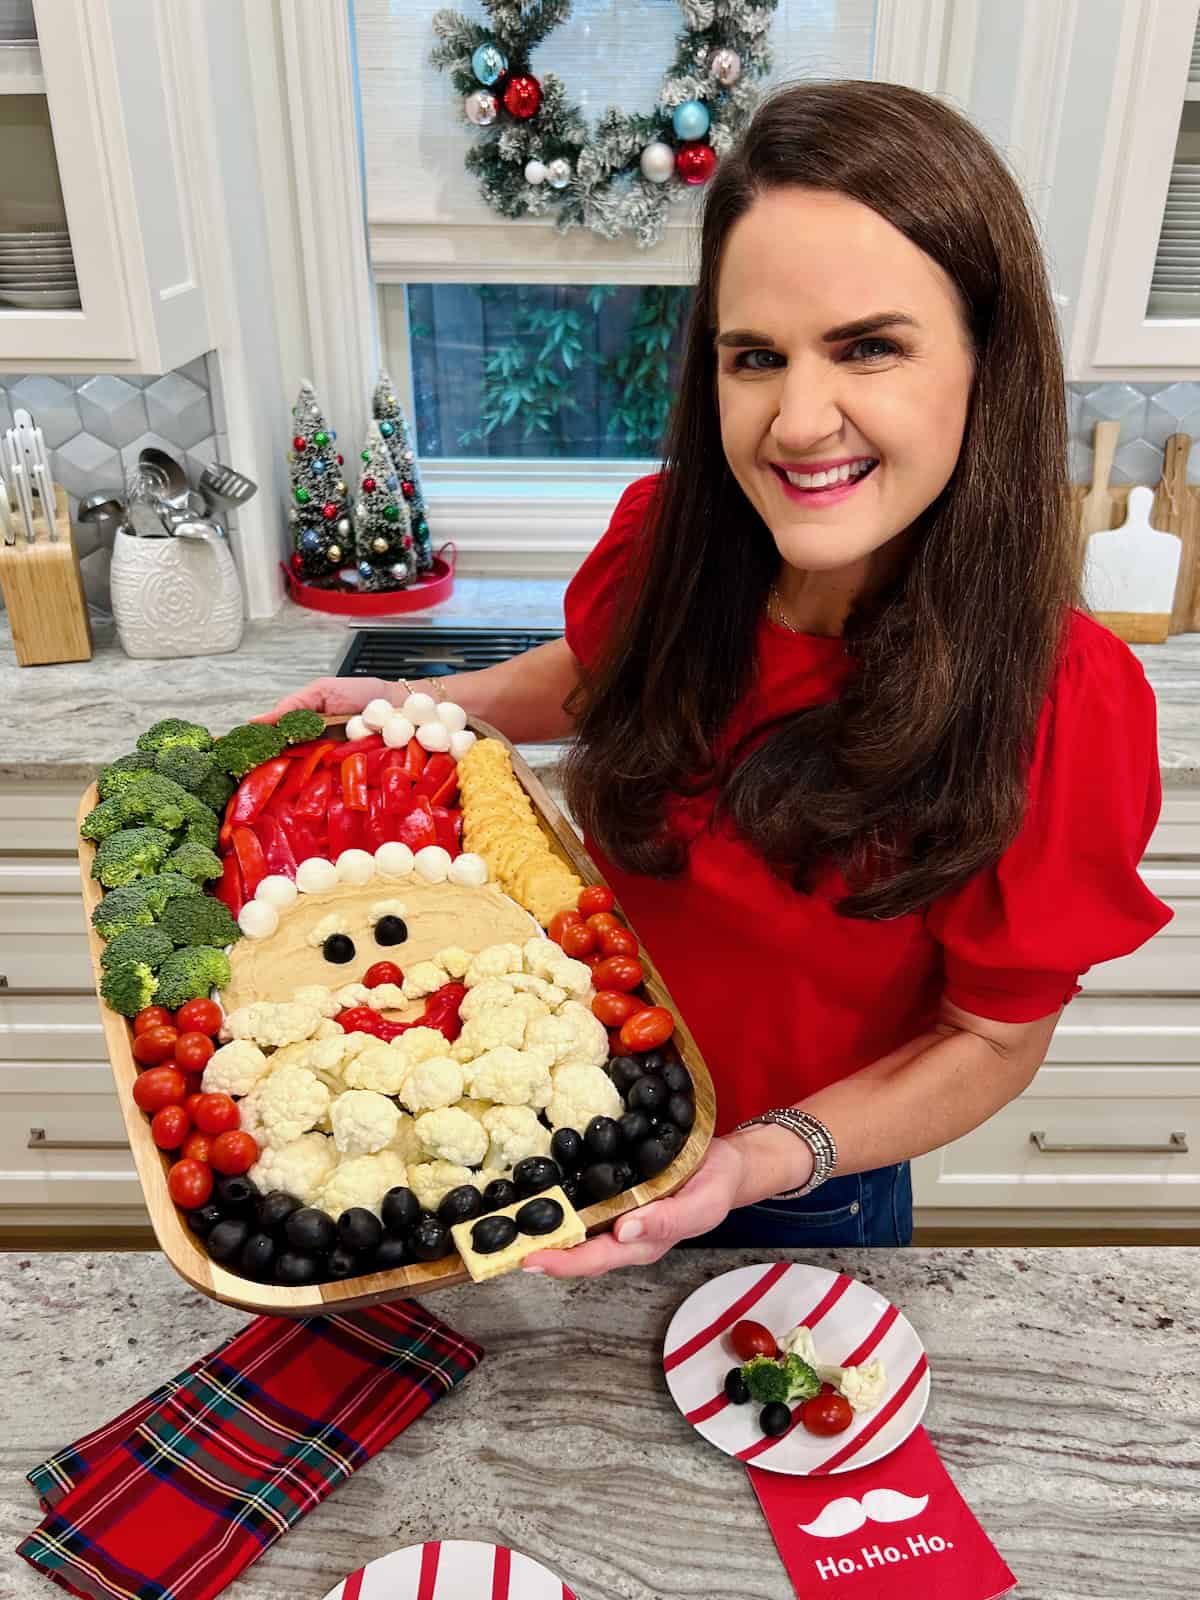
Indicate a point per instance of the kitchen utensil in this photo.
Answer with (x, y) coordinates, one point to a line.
(1096, 512)
(102, 508)
(176, 596)
(157, 465)
(42, 587)
(225, 486)
(1131, 572)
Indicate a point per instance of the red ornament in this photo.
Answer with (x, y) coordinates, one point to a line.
(368, 484)
(329, 511)
(341, 461)
(408, 541)
(695, 162)
(522, 96)
(297, 565)
(409, 490)
(299, 444)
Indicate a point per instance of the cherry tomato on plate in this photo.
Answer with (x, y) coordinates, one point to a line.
(192, 1051)
(618, 942)
(216, 1113)
(579, 940)
(602, 921)
(382, 972)
(828, 1388)
(592, 961)
(161, 1086)
(649, 1028)
(596, 897)
(752, 1339)
(233, 1152)
(190, 1183)
(827, 1414)
(197, 1147)
(189, 1104)
(614, 1008)
(151, 1017)
(560, 921)
(155, 1045)
(618, 972)
(199, 1016)
(169, 1127)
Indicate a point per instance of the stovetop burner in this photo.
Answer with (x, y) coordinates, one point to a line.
(435, 652)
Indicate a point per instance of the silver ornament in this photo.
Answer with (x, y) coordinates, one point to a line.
(406, 456)
(559, 172)
(399, 570)
(481, 108)
(657, 162)
(343, 527)
(349, 575)
(535, 171)
(726, 66)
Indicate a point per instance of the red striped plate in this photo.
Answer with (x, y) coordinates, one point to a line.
(452, 1569)
(850, 1322)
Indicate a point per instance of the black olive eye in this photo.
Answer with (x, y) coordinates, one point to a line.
(391, 930)
(338, 948)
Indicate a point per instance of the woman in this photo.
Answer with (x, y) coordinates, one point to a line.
(869, 787)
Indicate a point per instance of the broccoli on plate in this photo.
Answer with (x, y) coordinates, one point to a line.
(780, 1380)
(104, 819)
(174, 731)
(189, 974)
(128, 989)
(150, 799)
(130, 854)
(147, 947)
(215, 790)
(118, 773)
(184, 765)
(138, 905)
(195, 861)
(199, 919)
(248, 746)
(297, 726)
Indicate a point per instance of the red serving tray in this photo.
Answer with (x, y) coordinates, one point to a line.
(430, 590)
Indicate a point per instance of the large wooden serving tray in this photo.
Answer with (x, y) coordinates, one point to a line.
(186, 1253)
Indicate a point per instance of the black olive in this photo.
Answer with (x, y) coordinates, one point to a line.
(392, 1252)
(359, 1230)
(493, 1233)
(634, 1126)
(624, 1176)
(391, 930)
(342, 1262)
(430, 1240)
(648, 1094)
(257, 1258)
(652, 1157)
(625, 1072)
(536, 1173)
(226, 1239)
(500, 1193)
(203, 1218)
(460, 1205)
(400, 1208)
(675, 1076)
(669, 1136)
(237, 1197)
(339, 948)
(567, 1147)
(539, 1216)
(653, 1060)
(681, 1110)
(570, 1187)
(311, 1231)
(602, 1138)
(274, 1209)
(775, 1419)
(294, 1267)
(599, 1181)
(735, 1387)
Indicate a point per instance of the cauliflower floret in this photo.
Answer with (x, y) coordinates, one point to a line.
(386, 997)
(422, 978)
(555, 1034)
(363, 1122)
(351, 995)
(493, 962)
(549, 994)
(511, 1077)
(455, 960)
(420, 1044)
(319, 997)
(299, 1168)
(574, 1034)
(379, 1067)
(863, 1386)
(272, 1022)
(386, 908)
(580, 1093)
(250, 1114)
(432, 1181)
(453, 1135)
(547, 960)
(488, 1029)
(405, 1142)
(491, 992)
(362, 1181)
(293, 1101)
(327, 1028)
(431, 1084)
(515, 1133)
(335, 922)
(235, 1068)
(474, 1108)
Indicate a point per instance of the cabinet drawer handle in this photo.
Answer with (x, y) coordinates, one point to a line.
(37, 1140)
(1177, 1145)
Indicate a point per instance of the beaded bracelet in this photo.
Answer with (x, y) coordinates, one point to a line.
(815, 1135)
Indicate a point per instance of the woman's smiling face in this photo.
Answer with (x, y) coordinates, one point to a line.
(839, 344)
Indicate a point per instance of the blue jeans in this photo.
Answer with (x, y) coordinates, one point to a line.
(863, 1208)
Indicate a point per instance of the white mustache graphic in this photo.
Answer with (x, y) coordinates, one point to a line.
(847, 1515)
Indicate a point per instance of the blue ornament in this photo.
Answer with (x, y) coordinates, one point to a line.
(393, 482)
(333, 431)
(365, 569)
(320, 466)
(387, 429)
(311, 542)
(489, 63)
(690, 120)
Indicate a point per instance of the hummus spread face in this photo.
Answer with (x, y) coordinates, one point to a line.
(437, 915)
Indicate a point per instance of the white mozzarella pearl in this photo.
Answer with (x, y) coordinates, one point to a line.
(394, 860)
(355, 866)
(397, 731)
(316, 876)
(276, 891)
(452, 716)
(469, 869)
(432, 863)
(357, 728)
(258, 920)
(376, 712)
(420, 708)
(433, 736)
(460, 743)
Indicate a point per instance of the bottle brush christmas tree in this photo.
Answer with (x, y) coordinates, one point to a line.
(387, 412)
(383, 538)
(319, 514)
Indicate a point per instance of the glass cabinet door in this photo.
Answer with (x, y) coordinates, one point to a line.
(1175, 286)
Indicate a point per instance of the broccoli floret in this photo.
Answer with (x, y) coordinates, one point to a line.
(147, 947)
(174, 731)
(803, 1382)
(195, 861)
(216, 789)
(199, 919)
(117, 774)
(248, 746)
(131, 854)
(296, 726)
(128, 989)
(184, 766)
(190, 973)
(151, 800)
(201, 824)
(780, 1379)
(121, 910)
(104, 819)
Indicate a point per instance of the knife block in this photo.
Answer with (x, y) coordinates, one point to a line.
(43, 591)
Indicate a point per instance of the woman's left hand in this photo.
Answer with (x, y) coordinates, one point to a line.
(644, 1235)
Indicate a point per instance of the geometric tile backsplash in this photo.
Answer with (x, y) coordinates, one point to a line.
(1149, 413)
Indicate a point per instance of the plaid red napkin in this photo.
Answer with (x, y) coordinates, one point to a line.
(178, 1495)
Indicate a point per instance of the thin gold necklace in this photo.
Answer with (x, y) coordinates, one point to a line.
(775, 611)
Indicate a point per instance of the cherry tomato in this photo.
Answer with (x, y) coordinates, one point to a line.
(190, 1183)
(614, 1008)
(828, 1388)
(161, 1086)
(752, 1339)
(827, 1414)
(195, 1083)
(199, 1016)
(192, 1050)
(189, 1104)
(596, 897)
(197, 1147)
(233, 1152)
(216, 1113)
(592, 961)
(560, 921)
(618, 942)
(382, 972)
(603, 920)
(151, 1017)
(170, 1127)
(649, 1028)
(579, 940)
(155, 1045)
(618, 972)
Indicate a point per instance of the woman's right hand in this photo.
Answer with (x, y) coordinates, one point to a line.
(336, 697)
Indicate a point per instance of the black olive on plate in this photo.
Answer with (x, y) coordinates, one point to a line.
(648, 1094)
(237, 1197)
(536, 1173)
(342, 1262)
(681, 1110)
(567, 1147)
(653, 1060)
(570, 1187)
(669, 1136)
(203, 1218)
(625, 1072)
(652, 1157)
(257, 1258)
(310, 1231)
(391, 930)
(539, 1216)
(430, 1240)
(602, 1138)
(634, 1126)
(226, 1239)
(500, 1193)
(624, 1176)
(294, 1267)
(274, 1209)
(775, 1419)
(493, 1233)
(392, 1252)
(675, 1076)
(339, 948)
(736, 1391)
(599, 1181)
(359, 1230)
(460, 1205)
(400, 1209)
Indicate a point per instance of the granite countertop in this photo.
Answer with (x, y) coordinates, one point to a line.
(62, 723)
(1065, 1404)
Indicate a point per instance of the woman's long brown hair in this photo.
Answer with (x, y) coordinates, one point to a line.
(914, 778)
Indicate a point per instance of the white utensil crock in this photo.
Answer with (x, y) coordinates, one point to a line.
(175, 596)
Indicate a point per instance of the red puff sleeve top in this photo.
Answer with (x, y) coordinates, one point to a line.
(784, 995)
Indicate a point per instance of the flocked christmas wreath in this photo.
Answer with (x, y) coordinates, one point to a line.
(537, 156)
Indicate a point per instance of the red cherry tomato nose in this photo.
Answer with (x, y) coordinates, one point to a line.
(752, 1339)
